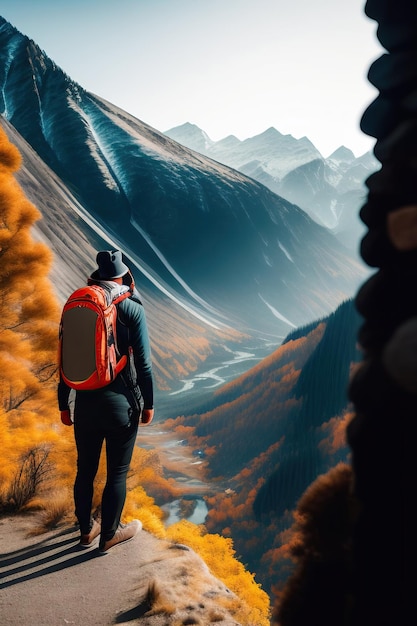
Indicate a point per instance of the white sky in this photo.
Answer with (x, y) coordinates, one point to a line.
(229, 66)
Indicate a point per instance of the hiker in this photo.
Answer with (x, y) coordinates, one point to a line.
(109, 414)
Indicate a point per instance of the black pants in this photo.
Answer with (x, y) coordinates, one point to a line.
(102, 418)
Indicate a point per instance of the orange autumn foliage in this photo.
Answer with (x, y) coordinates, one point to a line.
(335, 429)
(29, 316)
(319, 589)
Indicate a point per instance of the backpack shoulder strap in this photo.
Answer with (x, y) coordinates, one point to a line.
(113, 292)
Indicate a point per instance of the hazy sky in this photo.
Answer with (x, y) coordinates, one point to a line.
(229, 66)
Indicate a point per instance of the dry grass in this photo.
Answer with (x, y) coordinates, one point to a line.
(193, 595)
(53, 512)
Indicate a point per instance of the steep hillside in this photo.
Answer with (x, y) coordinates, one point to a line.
(265, 437)
(181, 342)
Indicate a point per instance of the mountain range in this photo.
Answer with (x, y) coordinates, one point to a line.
(331, 190)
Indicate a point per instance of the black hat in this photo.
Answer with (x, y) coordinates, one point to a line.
(110, 264)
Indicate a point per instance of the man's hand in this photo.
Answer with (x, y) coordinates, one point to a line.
(147, 416)
(66, 418)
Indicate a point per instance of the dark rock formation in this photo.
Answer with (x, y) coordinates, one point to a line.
(383, 434)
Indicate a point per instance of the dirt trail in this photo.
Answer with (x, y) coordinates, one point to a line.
(49, 581)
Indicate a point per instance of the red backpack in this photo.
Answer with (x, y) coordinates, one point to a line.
(88, 354)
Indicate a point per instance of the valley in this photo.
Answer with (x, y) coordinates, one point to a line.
(227, 364)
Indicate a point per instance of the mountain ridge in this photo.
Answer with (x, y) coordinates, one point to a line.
(332, 191)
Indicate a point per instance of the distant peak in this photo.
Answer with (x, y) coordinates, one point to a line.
(187, 126)
(230, 138)
(342, 154)
(271, 131)
(190, 135)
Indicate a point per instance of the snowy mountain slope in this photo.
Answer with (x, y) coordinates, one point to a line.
(236, 253)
